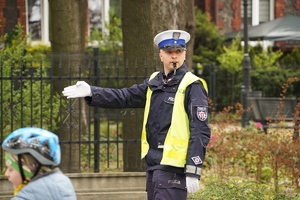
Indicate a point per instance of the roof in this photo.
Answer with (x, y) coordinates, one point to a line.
(280, 29)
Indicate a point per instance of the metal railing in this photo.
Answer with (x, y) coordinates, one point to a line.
(92, 139)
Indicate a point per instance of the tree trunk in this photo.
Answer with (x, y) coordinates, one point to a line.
(175, 14)
(138, 51)
(67, 36)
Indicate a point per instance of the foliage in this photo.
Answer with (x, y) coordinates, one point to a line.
(231, 64)
(240, 189)
(232, 58)
(117, 6)
(208, 41)
(263, 60)
(21, 95)
(269, 81)
(10, 37)
(292, 58)
(38, 51)
(13, 50)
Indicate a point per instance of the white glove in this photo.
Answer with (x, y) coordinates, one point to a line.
(192, 184)
(81, 89)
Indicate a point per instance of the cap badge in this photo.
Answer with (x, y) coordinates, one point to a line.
(176, 35)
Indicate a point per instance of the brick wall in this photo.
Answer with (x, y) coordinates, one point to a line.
(237, 19)
(220, 21)
(297, 5)
(21, 6)
(3, 20)
(12, 12)
(279, 8)
(212, 7)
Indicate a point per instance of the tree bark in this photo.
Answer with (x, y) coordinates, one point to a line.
(67, 36)
(67, 25)
(138, 52)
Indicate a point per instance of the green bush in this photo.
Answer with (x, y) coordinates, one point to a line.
(292, 59)
(239, 190)
(208, 41)
(22, 93)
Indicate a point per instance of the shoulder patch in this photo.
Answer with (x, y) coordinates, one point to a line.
(202, 113)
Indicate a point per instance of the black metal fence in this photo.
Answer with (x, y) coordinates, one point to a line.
(92, 139)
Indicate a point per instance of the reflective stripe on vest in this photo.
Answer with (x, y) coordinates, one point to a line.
(177, 139)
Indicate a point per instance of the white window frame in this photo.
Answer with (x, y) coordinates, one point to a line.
(44, 23)
(45, 20)
(105, 16)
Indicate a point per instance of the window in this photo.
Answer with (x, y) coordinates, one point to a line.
(98, 14)
(38, 20)
(34, 19)
(264, 11)
(259, 11)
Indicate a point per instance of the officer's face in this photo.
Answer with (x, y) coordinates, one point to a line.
(168, 57)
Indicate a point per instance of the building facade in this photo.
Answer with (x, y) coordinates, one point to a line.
(226, 14)
(34, 17)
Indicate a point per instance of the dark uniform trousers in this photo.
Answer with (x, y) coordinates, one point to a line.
(163, 185)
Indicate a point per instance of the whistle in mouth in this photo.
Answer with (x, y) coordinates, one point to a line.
(174, 65)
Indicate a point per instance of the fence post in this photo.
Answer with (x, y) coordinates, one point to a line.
(212, 83)
(96, 115)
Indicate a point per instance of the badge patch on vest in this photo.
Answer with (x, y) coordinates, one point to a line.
(197, 160)
(170, 100)
(202, 113)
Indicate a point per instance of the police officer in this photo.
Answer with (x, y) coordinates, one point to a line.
(175, 128)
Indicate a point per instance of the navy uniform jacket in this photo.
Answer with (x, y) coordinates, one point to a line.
(160, 113)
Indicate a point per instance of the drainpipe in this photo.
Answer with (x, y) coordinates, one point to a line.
(216, 12)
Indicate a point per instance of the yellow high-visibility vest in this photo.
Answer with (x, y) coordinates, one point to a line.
(177, 139)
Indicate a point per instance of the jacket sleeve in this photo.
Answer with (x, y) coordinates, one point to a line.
(197, 109)
(133, 97)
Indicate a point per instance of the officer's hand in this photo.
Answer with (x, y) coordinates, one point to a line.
(192, 184)
(81, 89)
